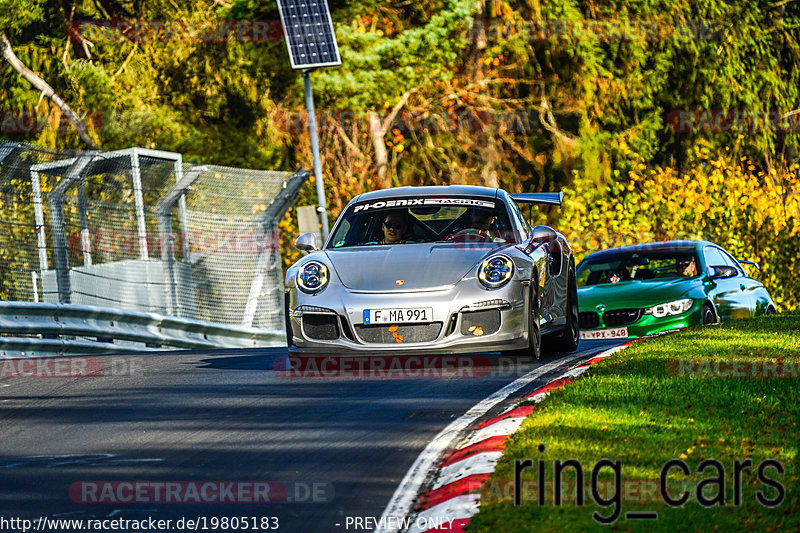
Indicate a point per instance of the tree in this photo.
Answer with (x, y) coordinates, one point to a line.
(14, 15)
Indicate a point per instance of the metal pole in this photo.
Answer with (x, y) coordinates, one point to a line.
(35, 282)
(176, 305)
(86, 241)
(182, 213)
(38, 211)
(138, 200)
(60, 252)
(312, 131)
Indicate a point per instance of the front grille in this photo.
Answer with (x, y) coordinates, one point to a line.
(480, 323)
(321, 327)
(399, 333)
(621, 317)
(588, 320)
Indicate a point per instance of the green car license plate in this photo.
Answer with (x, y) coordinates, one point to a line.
(612, 333)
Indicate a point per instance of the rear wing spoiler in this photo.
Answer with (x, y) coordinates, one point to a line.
(547, 198)
(751, 263)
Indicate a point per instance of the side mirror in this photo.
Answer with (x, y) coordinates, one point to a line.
(722, 272)
(307, 242)
(542, 234)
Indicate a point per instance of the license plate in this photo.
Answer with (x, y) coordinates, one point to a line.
(398, 315)
(613, 333)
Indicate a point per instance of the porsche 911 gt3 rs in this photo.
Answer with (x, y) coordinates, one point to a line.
(449, 269)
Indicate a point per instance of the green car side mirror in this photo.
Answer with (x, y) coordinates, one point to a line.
(722, 272)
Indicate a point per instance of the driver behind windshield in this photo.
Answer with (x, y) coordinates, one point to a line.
(482, 219)
(687, 268)
(395, 228)
(477, 221)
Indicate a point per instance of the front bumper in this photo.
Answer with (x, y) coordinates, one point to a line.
(647, 325)
(338, 316)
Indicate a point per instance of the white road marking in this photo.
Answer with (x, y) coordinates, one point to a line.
(480, 463)
(454, 509)
(507, 426)
(574, 373)
(401, 502)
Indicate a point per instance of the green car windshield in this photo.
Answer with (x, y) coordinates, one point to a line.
(600, 269)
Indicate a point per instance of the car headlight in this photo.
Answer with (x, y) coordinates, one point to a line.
(496, 271)
(312, 277)
(670, 308)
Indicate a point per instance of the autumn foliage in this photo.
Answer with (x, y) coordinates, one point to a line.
(752, 213)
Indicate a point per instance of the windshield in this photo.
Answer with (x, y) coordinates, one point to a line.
(423, 220)
(637, 266)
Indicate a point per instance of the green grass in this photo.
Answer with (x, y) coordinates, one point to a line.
(635, 408)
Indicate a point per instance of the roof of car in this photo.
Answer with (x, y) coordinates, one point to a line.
(666, 246)
(437, 190)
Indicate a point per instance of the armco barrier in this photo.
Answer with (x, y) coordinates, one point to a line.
(44, 329)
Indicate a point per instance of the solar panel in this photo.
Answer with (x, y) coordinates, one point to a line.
(309, 33)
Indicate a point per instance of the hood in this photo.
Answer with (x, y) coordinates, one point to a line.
(420, 266)
(630, 294)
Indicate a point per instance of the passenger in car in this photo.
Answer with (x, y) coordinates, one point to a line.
(395, 228)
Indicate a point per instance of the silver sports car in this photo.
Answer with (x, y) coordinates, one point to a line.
(434, 270)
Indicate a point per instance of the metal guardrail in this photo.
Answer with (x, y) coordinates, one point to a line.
(46, 329)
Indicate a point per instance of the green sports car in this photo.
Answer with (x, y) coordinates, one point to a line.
(639, 290)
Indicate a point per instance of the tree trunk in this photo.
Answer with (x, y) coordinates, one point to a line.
(491, 160)
(41, 85)
(377, 133)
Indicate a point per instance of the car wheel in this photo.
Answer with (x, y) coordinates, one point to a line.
(289, 342)
(567, 341)
(534, 349)
(770, 310)
(708, 315)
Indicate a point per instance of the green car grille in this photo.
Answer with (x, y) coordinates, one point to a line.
(621, 317)
(611, 318)
(588, 320)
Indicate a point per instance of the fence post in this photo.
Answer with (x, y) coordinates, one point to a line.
(138, 200)
(38, 212)
(59, 230)
(267, 221)
(163, 209)
(187, 250)
(86, 242)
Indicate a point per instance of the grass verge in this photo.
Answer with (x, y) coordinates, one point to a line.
(728, 393)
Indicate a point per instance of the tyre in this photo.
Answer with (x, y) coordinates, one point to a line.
(567, 341)
(708, 317)
(534, 349)
(289, 342)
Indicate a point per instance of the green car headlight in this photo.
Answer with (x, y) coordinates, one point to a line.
(670, 308)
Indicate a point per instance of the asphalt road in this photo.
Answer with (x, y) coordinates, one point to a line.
(337, 445)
